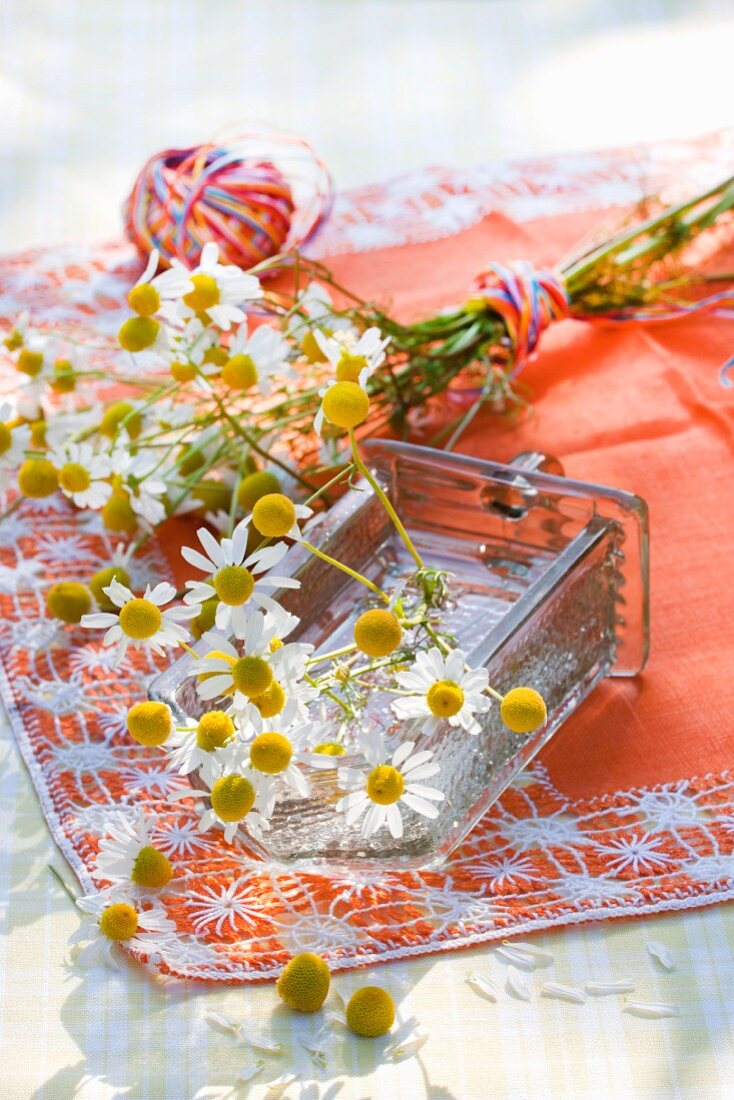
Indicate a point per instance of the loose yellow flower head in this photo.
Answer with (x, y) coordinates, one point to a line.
(255, 486)
(330, 748)
(151, 868)
(138, 333)
(140, 619)
(64, 379)
(252, 676)
(215, 496)
(271, 702)
(233, 797)
(445, 698)
(118, 515)
(523, 710)
(370, 1012)
(233, 585)
(119, 921)
(205, 619)
(37, 478)
(377, 632)
(271, 753)
(102, 579)
(346, 404)
(149, 723)
(144, 300)
(239, 372)
(74, 478)
(214, 730)
(183, 372)
(274, 515)
(120, 415)
(68, 601)
(349, 367)
(30, 362)
(304, 983)
(385, 785)
(204, 295)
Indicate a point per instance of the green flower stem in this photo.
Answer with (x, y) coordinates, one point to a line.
(345, 569)
(385, 502)
(332, 654)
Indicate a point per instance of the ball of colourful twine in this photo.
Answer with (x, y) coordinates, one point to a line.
(255, 194)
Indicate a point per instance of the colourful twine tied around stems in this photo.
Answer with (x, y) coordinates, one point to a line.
(255, 194)
(527, 300)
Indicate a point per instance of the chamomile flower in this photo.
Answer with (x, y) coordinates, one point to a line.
(218, 290)
(118, 920)
(380, 791)
(127, 856)
(170, 285)
(355, 359)
(140, 622)
(231, 796)
(274, 759)
(83, 474)
(445, 690)
(256, 359)
(194, 747)
(238, 580)
(275, 516)
(14, 441)
(135, 474)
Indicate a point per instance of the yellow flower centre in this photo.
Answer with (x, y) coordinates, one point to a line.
(205, 293)
(304, 983)
(274, 515)
(271, 702)
(329, 748)
(271, 753)
(6, 438)
(255, 486)
(252, 676)
(215, 655)
(233, 796)
(102, 579)
(377, 632)
(140, 619)
(385, 785)
(118, 514)
(14, 341)
(30, 362)
(183, 372)
(444, 698)
(64, 380)
(346, 404)
(205, 619)
(68, 601)
(138, 333)
(37, 478)
(349, 367)
(523, 710)
(144, 299)
(311, 349)
(151, 868)
(370, 1012)
(234, 585)
(239, 372)
(119, 921)
(74, 478)
(216, 355)
(215, 729)
(149, 723)
(215, 496)
(120, 415)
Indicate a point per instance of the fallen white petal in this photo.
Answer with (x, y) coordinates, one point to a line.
(517, 985)
(318, 1055)
(214, 1092)
(650, 1010)
(563, 992)
(409, 1046)
(662, 954)
(542, 957)
(603, 989)
(277, 1087)
(483, 986)
(219, 1020)
(251, 1071)
(258, 1042)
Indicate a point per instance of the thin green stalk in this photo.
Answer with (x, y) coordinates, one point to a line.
(385, 502)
